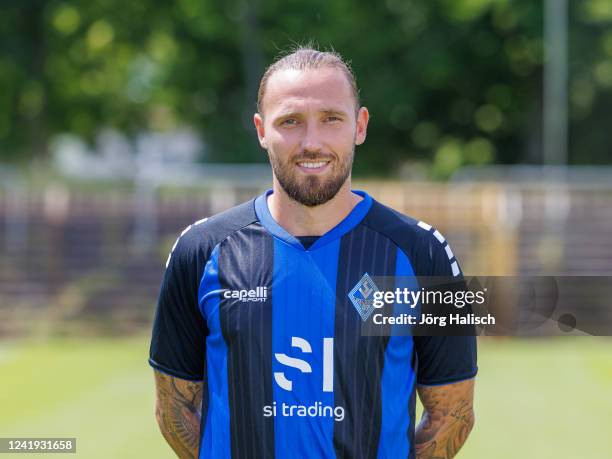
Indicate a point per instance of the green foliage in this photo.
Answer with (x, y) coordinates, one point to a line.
(449, 82)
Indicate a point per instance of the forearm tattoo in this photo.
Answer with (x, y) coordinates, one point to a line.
(178, 412)
(447, 420)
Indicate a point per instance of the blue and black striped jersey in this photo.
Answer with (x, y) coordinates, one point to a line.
(270, 328)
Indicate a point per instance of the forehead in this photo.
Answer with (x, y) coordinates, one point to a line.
(292, 89)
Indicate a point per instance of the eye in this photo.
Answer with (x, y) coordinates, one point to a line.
(289, 122)
(332, 118)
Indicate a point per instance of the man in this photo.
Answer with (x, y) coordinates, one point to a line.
(257, 344)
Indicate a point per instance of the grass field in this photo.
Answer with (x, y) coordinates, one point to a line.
(535, 398)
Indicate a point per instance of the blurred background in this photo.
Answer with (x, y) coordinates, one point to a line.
(123, 122)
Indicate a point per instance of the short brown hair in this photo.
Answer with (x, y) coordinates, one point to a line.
(307, 58)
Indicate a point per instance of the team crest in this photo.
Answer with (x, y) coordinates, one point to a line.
(362, 296)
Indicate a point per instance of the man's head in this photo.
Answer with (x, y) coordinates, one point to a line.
(309, 120)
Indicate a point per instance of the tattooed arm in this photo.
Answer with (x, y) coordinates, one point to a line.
(178, 411)
(448, 418)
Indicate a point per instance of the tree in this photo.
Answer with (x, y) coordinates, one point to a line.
(448, 82)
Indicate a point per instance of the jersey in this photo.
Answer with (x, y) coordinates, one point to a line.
(269, 326)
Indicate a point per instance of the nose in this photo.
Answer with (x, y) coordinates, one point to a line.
(312, 139)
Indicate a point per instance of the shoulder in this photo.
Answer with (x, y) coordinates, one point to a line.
(393, 224)
(424, 245)
(199, 239)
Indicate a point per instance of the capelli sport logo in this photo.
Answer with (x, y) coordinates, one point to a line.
(256, 295)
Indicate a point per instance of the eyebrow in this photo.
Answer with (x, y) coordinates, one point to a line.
(334, 112)
(328, 111)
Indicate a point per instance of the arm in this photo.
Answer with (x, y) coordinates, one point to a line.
(178, 412)
(447, 420)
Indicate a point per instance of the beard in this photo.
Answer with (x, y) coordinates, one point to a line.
(311, 190)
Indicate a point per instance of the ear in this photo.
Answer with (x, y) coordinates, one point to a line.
(261, 132)
(363, 117)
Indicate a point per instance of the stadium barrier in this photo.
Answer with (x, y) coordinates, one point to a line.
(83, 260)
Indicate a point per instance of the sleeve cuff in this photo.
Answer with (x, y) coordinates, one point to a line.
(173, 373)
(448, 380)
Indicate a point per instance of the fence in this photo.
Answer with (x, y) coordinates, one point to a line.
(87, 261)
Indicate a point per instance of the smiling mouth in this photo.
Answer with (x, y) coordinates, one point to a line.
(313, 164)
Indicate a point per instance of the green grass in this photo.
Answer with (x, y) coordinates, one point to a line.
(534, 398)
(543, 398)
(100, 391)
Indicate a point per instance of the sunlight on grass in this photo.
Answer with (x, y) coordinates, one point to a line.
(534, 398)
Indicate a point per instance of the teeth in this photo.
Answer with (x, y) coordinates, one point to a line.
(313, 165)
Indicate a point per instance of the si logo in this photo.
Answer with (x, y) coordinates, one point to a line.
(362, 296)
(304, 367)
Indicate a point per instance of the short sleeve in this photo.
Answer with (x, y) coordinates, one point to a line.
(178, 342)
(443, 359)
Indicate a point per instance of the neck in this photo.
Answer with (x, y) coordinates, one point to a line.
(301, 220)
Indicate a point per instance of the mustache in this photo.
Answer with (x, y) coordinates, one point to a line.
(312, 156)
